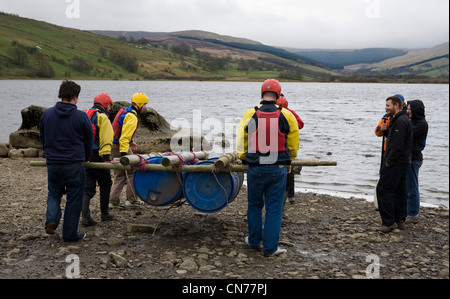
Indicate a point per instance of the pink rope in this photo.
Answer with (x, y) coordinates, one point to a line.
(195, 161)
(142, 163)
(182, 162)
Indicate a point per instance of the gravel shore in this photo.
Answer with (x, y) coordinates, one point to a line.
(326, 238)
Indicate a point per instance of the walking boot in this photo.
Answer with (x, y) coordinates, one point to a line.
(87, 221)
(107, 217)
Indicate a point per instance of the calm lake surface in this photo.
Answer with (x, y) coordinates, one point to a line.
(339, 123)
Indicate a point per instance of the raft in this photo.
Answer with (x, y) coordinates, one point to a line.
(208, 185)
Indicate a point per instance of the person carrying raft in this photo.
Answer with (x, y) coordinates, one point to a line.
(125, 125)
(101, 152)
(268, 140)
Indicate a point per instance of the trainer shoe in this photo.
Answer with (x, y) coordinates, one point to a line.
(291, 200)
(248, 243)
(117, 205)
(277, 252)
(133, 203)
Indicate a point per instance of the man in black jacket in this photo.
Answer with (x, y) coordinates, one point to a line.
(391, 189)
(416, 111)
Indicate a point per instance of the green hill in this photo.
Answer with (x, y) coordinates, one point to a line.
(35, 49)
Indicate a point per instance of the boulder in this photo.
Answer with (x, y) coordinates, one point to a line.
(154, 134)
(27, 136)
(4, 149)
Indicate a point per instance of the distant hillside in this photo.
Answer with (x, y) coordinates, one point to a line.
(432, 62)
(338, 59)
(34, 49)
(249, 55)
(31, 49)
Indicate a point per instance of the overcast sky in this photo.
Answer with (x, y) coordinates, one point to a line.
(331, 24)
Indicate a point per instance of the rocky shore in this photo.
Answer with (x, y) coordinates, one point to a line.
(325, 237)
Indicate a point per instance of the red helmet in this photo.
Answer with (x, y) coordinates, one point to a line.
(282, 102)
(103, 99)
(271, 85)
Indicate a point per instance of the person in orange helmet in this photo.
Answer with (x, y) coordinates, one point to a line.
(101, 152)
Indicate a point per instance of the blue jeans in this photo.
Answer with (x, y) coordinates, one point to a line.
(69, 180)
(266, 185)
(412, 185)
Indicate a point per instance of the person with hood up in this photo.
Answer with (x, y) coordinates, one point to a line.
(67, 137)
(416, 111)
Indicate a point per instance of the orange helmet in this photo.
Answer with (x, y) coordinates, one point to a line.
(271, 85)
(282, 102)
(103, 99)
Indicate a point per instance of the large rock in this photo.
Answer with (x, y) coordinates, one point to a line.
(28, 134)
(154, 134)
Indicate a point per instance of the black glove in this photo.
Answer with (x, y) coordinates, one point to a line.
(107, 158)
(123, 154)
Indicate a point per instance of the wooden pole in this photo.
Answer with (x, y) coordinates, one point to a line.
(225, 160)
(175, 160)
(187, 168)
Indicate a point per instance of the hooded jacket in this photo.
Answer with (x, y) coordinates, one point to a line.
(399, 140)
(420, 129)
(66, 134)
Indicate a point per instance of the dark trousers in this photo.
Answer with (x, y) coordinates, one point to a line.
(103, 177)
(392, 194)
(290, 185)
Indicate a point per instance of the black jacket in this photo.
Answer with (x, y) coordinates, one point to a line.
(420, 129)
(399, 141)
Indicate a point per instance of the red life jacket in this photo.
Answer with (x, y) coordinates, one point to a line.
(267, 137)
(90, 113)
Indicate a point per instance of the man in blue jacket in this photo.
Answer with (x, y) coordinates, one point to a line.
(67, 137)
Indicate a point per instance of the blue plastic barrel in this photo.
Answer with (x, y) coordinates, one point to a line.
(157, 188)
(204, 193)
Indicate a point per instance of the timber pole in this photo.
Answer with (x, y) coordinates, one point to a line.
(186, 168)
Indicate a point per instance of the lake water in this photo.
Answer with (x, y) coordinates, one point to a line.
(339, 123)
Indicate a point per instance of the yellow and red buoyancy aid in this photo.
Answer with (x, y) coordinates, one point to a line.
(268, 129)
(262, 139)
(103, 132)
(125, 126)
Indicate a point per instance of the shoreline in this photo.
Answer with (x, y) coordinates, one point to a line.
(326, 237)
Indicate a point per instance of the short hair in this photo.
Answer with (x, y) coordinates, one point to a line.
(395, 101)
(69, 90)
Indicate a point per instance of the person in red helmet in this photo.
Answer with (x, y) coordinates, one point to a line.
(101, 152)
(267, 141)
(290, 184)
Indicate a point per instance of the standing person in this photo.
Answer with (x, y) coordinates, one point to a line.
(66, 136)
(383, 125)
(391, 188)
(416, 111)
(125, 126)
(268, 140)
(101, 152)
(290, 184)
(381, 130)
